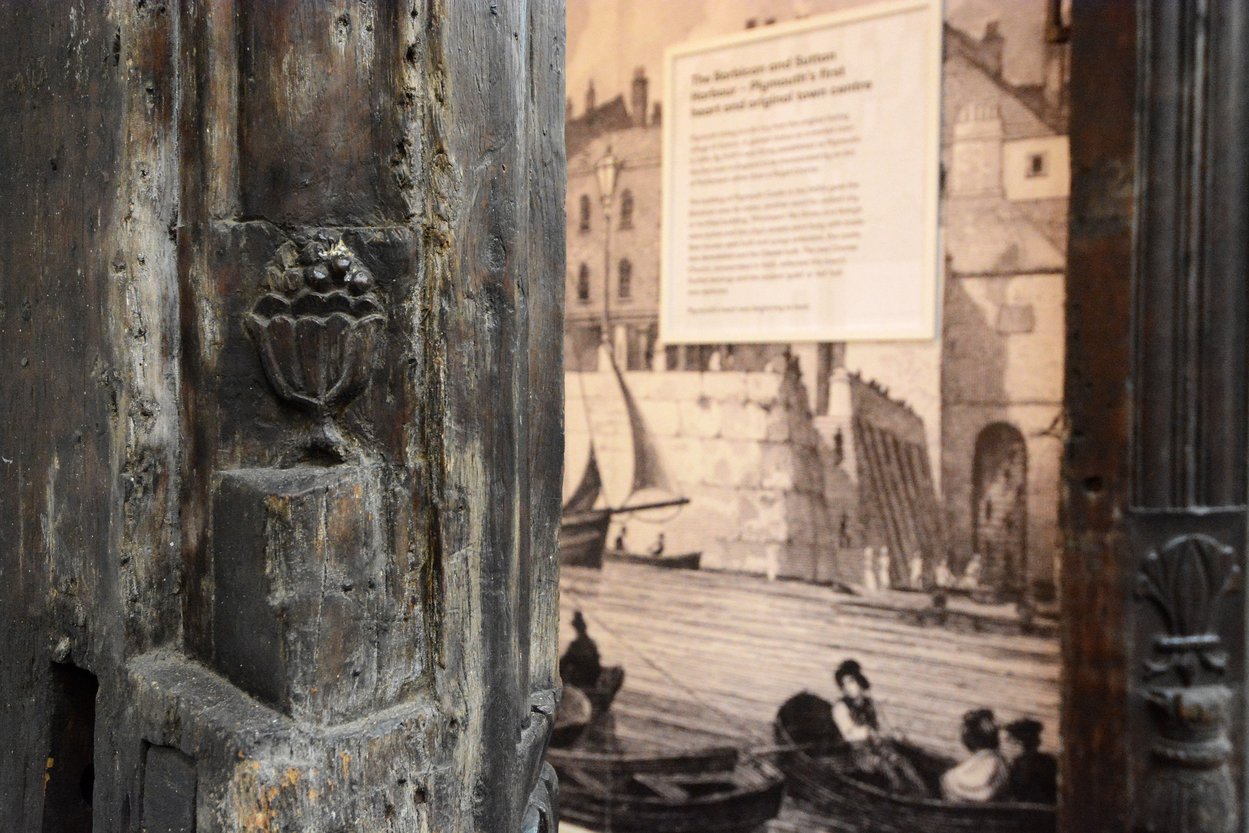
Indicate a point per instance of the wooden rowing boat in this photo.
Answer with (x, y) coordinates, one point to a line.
(711, 759)
(705, 792)
(673, 561)
(821, 775)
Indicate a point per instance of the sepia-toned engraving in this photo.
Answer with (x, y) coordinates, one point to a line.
(811, 586)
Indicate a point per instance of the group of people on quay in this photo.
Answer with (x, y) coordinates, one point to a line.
(1004, 763)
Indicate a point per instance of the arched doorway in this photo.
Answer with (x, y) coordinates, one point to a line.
(1000, 509)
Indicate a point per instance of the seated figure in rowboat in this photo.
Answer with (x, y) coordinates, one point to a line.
(858, 722)
(582, 667)
(1033, 773)
(984, 775)
(821, 774)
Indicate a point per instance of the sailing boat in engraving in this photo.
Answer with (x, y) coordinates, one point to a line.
(588, 510)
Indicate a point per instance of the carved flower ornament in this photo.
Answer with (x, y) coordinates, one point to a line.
(317, 328)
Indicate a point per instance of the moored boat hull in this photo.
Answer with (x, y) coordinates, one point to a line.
(619, 764)
(583, 537)
(740, 800)
(675, 561)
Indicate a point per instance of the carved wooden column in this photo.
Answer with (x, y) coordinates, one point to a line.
(291, 564)
(1186, 523)
(1156, 611)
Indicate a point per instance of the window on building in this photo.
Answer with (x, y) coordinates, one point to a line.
(585, 212)
(624, 284)
(672, 357)
(583, 284)
(1036, 165)
(626, 209)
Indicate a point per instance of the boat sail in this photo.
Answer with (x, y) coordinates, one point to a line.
(587, 511)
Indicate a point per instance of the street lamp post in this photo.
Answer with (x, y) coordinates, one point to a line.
(605, 170)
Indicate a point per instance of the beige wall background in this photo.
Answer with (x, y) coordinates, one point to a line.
(608, 38)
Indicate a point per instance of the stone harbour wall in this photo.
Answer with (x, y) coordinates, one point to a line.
(743, 448)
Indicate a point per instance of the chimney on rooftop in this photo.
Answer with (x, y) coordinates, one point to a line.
(976, 154)
(640, 95)
(589, 97)
(991, 47)
(1057, 56)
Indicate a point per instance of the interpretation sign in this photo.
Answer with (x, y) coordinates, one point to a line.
(801, 166)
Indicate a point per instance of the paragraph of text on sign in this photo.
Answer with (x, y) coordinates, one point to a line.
(800, 182)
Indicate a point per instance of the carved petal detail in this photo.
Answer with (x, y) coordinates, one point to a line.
(317, 327)
(1185, 582)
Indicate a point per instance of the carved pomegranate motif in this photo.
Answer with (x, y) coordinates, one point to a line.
(317, 328)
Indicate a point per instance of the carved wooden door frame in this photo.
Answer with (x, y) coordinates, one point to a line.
(1155, 485)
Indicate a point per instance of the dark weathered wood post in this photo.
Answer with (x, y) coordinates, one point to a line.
(281, 383)
(1158, 366)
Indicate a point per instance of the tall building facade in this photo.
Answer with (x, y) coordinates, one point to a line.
(1006, 186)
(613, 249)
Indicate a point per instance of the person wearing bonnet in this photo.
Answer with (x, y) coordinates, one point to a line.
(984, 775)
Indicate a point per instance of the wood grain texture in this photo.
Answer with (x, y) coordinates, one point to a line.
(157, 180)
(546, 187)
(1095, 583)
(1154, 613)
(319, 134)
(88, 377)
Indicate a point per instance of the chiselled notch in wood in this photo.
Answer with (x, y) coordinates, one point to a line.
(69, 779)
(317, 328)
(169, 791)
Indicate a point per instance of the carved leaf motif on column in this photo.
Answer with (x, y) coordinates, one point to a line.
(1185, 582)
(1188, 784)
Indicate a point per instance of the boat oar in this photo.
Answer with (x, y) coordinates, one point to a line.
(776, 749)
